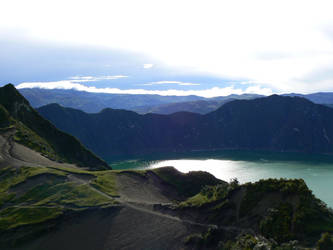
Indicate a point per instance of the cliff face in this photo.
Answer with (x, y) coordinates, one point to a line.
(274, 123)
(33, 131)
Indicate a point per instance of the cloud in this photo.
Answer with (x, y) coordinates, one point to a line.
(253, 42)
(212, 92)
(95, 78)
(148, 65)
(171, 82)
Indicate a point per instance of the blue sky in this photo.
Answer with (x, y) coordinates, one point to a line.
(29, 63)
(207, 48)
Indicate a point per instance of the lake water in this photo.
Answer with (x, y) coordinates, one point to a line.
(317, 174)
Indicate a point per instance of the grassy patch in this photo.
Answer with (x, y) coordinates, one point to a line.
(67, 193)
(17, 216)
(30, 139)
(207, 195)
(106, 182)
(186, 184)
(11, 176)
(5, 197)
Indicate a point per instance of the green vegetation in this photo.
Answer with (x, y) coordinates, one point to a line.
(255, 191)
(6, 197)
(33, 141)
(209, 239)
(207, 194)
(73, 195)
(32, 196)
(9, 177)
(68, 193)
(13, 217)
(297, 214)
(106, 182)
(243, 242)
(4, 117)
(278, 223)
(325, 242)
(186, 184)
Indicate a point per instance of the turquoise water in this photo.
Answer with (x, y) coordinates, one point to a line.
(317, 174)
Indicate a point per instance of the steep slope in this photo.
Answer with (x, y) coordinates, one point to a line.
(121, 132)
(274, 123)
(33, 131)
(53, 208)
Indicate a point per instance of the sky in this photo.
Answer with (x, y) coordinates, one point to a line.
(207, 48)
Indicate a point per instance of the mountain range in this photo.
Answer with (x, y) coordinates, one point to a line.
(95, 102)
(274, 123)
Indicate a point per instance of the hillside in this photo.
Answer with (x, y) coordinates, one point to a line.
(274, 123)
(20, 123)
(52, 208)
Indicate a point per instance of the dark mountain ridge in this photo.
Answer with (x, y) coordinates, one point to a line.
(319, 97)
(39, 134)
(274, 123)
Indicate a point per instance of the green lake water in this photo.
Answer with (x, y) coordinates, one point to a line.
(317, 171)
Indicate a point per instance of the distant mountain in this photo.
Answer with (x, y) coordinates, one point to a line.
(96, 102)
(200, 106)
(33, 131)
(274, 123)
(320, 97)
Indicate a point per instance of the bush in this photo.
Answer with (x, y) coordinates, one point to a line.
(325, 242)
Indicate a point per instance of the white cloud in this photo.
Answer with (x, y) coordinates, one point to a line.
(212, 92)
(171, 82)
(95, 78)
(148, 66)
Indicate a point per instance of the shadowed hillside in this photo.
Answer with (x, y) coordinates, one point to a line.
(274, 123)
(33, 131)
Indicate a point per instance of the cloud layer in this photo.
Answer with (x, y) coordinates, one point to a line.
(171, 82)
(95, 78)
(212, 92)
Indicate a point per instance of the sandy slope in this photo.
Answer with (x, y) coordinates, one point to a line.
(133, 224)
